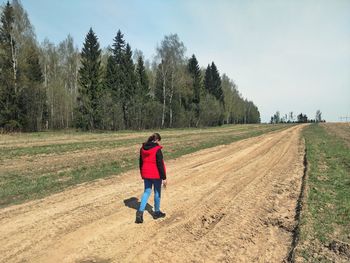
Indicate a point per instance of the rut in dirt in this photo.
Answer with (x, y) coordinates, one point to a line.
(231, 203)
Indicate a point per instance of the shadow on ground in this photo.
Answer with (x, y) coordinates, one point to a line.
(134, 203)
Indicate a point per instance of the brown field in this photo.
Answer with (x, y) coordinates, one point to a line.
(35, 165)
(229, 203)
(341, 130)
(57, 161)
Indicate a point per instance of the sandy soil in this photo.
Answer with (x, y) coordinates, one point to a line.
(232, 203)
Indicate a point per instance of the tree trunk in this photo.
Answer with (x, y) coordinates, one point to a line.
(46, 93)
(113, 120)
(125, 115)
(170, 101)
(140, 116)
(163, 113)
(75, 90)
(53, 120)
(14, 64)
(197, 123)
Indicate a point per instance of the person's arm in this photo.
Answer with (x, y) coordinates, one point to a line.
(160, 164)
(140, 160)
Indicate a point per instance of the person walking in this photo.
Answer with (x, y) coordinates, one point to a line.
(153, 173)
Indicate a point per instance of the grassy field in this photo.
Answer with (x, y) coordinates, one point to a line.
(325, 221)
(34, 165)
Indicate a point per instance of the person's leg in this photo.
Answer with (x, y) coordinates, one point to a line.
(157, 194)
(146, 194)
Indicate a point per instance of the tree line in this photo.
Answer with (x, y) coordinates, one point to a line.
(300, 118)
(47, 86)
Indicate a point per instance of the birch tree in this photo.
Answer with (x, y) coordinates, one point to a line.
(170, 55)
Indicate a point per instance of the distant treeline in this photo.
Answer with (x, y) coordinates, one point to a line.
(300, 118)
(47, 86)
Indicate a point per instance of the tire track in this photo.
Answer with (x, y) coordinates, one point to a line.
(232, 203)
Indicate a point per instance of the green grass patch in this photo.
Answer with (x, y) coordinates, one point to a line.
(327, 215)
(20, 188)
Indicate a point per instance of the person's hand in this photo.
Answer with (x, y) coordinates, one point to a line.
(164, 183)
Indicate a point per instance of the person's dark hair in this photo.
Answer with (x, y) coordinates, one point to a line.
(153, 137)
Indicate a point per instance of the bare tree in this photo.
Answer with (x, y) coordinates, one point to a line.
(318, 117)
(170, 56)
(291, 117)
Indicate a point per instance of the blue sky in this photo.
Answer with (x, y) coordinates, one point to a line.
(274, 50)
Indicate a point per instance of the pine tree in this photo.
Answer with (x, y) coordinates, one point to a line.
(32, 97)
(195, 73)
(142, 79)
(111, 89)
(118, 78)
(216, 88)
(142, 92)
(110, 77)
(8, 77)
(208, 80)
(90, 83)
(118, 48)
(115, 78)
(128, 87)
(212, 82)
(115, 65)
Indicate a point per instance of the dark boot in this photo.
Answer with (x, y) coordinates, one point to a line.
(139, 217)
(158, 214)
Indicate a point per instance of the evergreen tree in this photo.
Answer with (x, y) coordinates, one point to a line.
(90, 83)
(195, 73)
(302, 118)
(110, 75)
(142, 79)
(208, 80)
(118, 53)
(8, 75)
(111, 88)
(118, 48)
(32, 98)
(212, 82)
(142, 93)
(128, 87)
(216, 83)
(115, 78)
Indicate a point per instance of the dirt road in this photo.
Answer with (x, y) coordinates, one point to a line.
(232, 203)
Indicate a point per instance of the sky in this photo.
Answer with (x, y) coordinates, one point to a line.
(284, 55)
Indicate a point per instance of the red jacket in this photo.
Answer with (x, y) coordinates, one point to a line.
(151, 161)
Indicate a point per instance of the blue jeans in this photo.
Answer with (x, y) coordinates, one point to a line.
(148, 188)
